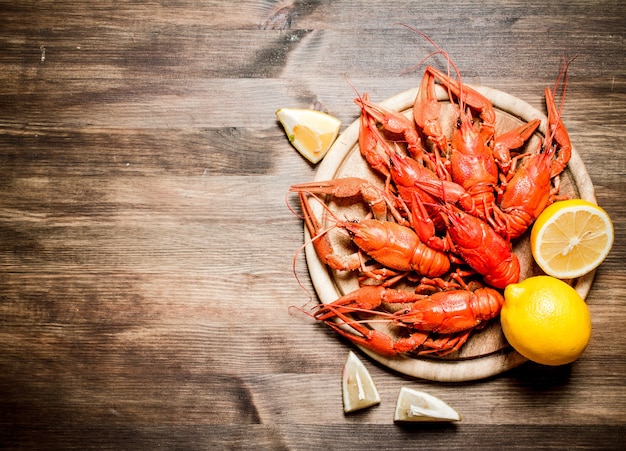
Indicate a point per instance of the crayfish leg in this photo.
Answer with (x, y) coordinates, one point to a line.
(321, 242)
(347, 187)
(410, 343)
(471, 97)
(365, 300)
(372, 339)
(375, 340)
(426, 111)
(510, 140)
(445, 344)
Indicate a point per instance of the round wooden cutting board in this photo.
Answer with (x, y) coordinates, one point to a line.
(486, 352)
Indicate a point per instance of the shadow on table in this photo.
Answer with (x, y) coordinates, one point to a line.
(542, 377)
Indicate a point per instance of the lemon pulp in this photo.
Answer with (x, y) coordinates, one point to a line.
(359, 391)
(311, 132)
(414, 405)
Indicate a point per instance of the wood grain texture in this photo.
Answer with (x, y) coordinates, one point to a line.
(146, 249)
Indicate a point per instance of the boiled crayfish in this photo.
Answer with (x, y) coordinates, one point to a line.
(441, 223)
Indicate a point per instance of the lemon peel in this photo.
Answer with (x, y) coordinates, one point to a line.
(546, 320)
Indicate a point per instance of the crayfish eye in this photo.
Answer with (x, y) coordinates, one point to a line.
(405, 313)
(458, 122)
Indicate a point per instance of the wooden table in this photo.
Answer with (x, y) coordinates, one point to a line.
(146, 248)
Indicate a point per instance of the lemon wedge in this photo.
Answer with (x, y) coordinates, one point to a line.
(414, 405)
(359, 391)
(571, 238)
(311, 132)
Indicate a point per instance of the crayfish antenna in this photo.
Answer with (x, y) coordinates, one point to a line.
(438, 51)
(295, 255)
(561, 80)
(563, 77)
(354, 88)
(302, 310)
(290, 208)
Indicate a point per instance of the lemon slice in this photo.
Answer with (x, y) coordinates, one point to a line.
(414, 405)
(359, 391)
(311, 132)
(571, 238)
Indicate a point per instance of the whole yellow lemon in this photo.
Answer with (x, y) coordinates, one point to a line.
(546, 320)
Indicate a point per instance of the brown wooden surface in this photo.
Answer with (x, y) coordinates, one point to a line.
(146, 248)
